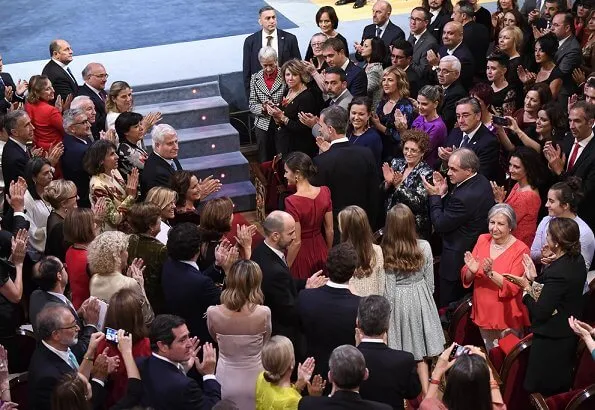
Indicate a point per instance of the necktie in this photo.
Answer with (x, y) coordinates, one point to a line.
(172, 163)
(573, 156)
(378, 31)
(465, 141)
(70, 72)
(102, 95)
(72, 360)
(1, 81)
(269, 41)
(412, 40)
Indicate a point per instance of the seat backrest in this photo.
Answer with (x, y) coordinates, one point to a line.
(513, 373)
(462, 330)
(584, 371)
(19, 392)
(25, 344)
(585, 400)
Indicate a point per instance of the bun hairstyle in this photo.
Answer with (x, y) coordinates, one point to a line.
(277, 358)
(298, 162)
(566, 234)
(569, 192)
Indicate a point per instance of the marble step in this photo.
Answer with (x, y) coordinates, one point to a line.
(197, 112)
(229, 167)
(243, 195)
(207, 140)
(177, 93)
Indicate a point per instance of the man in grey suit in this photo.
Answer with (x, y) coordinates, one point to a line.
(568, 57)
(421, 40)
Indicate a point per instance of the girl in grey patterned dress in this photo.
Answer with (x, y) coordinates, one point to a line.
(415, 325)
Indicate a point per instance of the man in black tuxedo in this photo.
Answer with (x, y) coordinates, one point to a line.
(57, 70)
(448, 73)
(460, 216)
(76, 141)
(9, 91)
(165, 383)
(421, 39)
(393, 373)
(452, 44)
(95, 77)
(476, 36)
(279, 288)
(401, 56)
(335, 55)
(15, 153)
(327, 314)
(472, 134)
(347, 371)
(350, 171)
(162, 161)
(381, 27)
(52, 359)
(441, 12)
(569, 54)
(576, 156)
(284, 43)
(52, 279)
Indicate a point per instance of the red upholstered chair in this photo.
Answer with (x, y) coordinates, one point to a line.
(513, 373)
(499, 353)
(584, 371)
(19, 392)
(585, 400)
(462, 330)
(578, 399)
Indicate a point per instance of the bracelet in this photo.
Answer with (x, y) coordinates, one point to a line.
(88, 358)
(434, 381)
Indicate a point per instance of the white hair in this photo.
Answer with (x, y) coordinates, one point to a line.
(160, 131)
(456, 64)
(70, 115)
(267, 53)
(79, 102)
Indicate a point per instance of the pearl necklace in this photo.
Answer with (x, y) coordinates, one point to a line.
(500, 247)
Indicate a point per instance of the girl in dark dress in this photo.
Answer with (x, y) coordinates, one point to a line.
(549, 73)
(504, 97)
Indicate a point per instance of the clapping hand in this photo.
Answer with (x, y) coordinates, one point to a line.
(525, 76)
(105, 365)
(132, 183)
(444, 153)
(55, 153)
(578, 76)
(433, 58)
(530, 271)
(226, 255)
(19, 247)
(22, 87)
(307, 119)
(8, 93)
(151, 119)
(488, 263)
(400, 120)
(317, 386)
(322, 144)
(109, 135)
(310, 66)
(244, 235)
(439, 187)
(547, 256)
(499, 192)
(582, 329)
(16, 194)
(305, 370)
(136, 270)
(471, 262)
(317, 280)
(358, 47)
(208, 186)
(209, 360)
(388, 173)
(571, 101)
(538, 33)
(99, 209)
(556, 159)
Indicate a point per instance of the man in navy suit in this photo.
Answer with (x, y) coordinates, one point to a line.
(472, 134)
(460, 216)
(449, 71)
(165, 383)
(381, 27)
(15, 155)
(327, 314)
(162, 161)
(77, 141)
(476, 36)
(284, 43)
(335, 55)
(57, 70)
(187, 291)
(393, 373)
(16, 93)
(95, 77)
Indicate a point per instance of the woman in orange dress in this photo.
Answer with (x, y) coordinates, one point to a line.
(46, 118)
(497, 302)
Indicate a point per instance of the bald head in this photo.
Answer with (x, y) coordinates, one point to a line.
(452, 34)
(95, 75)
(279, 229)
(381, 12)
(61, 51)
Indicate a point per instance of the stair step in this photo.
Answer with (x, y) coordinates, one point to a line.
(190, 113)
(229, 167)
(243, 195)
(207, 140)
(177, 93)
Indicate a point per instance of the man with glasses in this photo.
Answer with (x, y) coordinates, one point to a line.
(476, 36)
(401, 56)
(76, 141)
(52, 278)
(381, 27)
(448, 72)
(421, 40)
(95, 78)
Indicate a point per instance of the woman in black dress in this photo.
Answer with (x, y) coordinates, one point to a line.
(130, 130)
(292, 135)
(549, 73)
(504, 98)
(327, 20)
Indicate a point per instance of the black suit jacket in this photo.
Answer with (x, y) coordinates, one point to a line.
(415, 81)
(485, 144)
(63, 83)
(350, 172)
(45, 371)
(391, 33)
(14, 160)
(188, 293)
(156, 172)
(327, 318)
(448, 109)
(436, 26)
(167, 388)
(72, 167)
(568, 57)
(280, 292)
(39, 299)
(467, 60)
(393, 375)
(287, 46)
(460, 217)
(101, 113)
(342, 399)
(8, 82)
(419, 63)
(357, 80)
(477, 37)
(563, 281)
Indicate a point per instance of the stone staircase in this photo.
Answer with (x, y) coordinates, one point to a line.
(209, 144)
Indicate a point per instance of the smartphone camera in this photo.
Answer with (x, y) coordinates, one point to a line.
(111, 334)
(457, 351)
(500, 121)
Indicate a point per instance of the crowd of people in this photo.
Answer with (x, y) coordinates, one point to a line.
(458, 162)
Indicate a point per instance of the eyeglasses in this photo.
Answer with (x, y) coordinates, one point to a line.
(81, 123)
(100, 75)
(317, 44)
(416, 19)
(411, 150)
(443, 71)
(69, 327)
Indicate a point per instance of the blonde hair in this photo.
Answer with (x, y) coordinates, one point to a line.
(115, 90)
(161, 196)
(104, 252)
(402, 82)
(517, 36)
(355, 228)
(277, 358)
(243, 286)
(57, 191)
(399, 243)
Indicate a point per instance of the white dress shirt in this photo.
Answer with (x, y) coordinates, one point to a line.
(581, 147)
(180, 367)
(274, 41)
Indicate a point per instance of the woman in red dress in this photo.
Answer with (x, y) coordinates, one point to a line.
(46, 118)
(497, 302)
(311, 208)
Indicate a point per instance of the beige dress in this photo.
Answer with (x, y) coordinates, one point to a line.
(240, 336)
(373, 284)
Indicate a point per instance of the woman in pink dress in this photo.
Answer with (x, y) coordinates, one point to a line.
(527, 169)
(311, 208)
